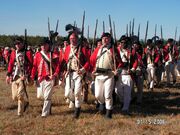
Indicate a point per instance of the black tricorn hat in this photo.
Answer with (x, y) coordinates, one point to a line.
(44, 40)
(18, 40)
(170, 40)
(159, 42)
(106, 34)
(149, 41)
(123, 37)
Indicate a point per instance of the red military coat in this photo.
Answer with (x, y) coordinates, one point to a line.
(93, 59)
(41, 66)
(84, 57)
(28, 63)
(156, 55)
(133, 58)
(166, 53)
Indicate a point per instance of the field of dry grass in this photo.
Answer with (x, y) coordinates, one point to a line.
(160, 114)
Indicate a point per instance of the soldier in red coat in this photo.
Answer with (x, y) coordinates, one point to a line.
(45, 80)
(19, 69)
(140, 70)
(104, 64)
(125, 80)
(152, 57)
(170, 53)
(159, 66)
(76, 61)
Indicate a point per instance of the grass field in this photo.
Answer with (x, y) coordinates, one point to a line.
(159, 115)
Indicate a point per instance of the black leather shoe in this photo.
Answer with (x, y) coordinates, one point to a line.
(108, 114)
(26, 106)
(77, 112)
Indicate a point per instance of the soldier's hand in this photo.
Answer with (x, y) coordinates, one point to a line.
(115, 72)
(8, 79)
(30, 82)
(81, 71)
(23, 78)
(52, 77)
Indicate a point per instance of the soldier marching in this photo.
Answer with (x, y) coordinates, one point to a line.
(120, 66)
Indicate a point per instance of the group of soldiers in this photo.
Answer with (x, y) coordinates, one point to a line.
(113, 68)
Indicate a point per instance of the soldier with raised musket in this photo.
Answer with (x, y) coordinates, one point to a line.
(76, 59)
(46, 79)
(19, 70)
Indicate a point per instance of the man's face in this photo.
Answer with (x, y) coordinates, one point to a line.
(45, 47)
(65, 43)
(106, 40)
(73, 39)
(170, 44)
(122, 43)
(19, 45)
(99, 44)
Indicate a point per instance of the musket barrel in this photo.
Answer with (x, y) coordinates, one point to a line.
(146, 32)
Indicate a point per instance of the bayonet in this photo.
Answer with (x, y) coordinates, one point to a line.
(130, 28)
(133, 27)
(175, 34)
(88, 34)
(139, 31)
(103, 27)
(127, 30)
(94, 39)
(161, 33)
(146, 32)
(110, 26)
(114, 32)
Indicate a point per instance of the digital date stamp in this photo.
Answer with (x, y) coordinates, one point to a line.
(150, 121)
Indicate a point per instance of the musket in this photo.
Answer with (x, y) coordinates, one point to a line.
(133, 27)
(175, 34)
(94, 39)
(103, 27)
(74, 23)
(111, 32)
(57, 24)
(161, 33)
(155, 30)
(110, 26)
(49, 29)
(53, 39)
(130, 28)
(138, 32)
(114, 32)
(25, 60)
(81, 39)
(88, 34)
(146, 32)
(155, 33)
(127, 30)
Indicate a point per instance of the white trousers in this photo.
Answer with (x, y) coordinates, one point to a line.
(170, 69)
(123, 90)
(103, 90)
(151, 75)
(73, 88)
(45, 91)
